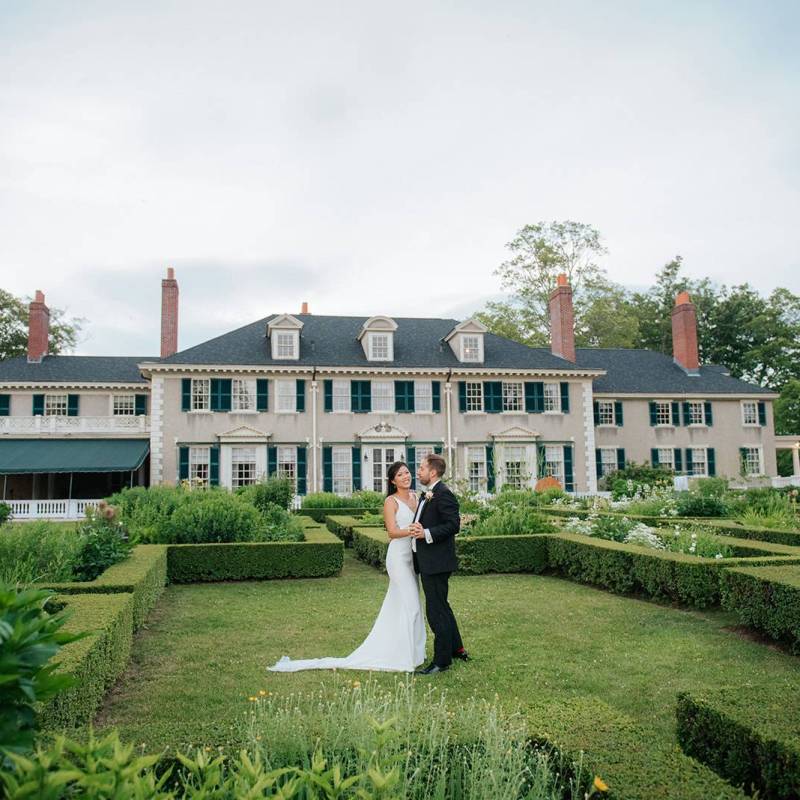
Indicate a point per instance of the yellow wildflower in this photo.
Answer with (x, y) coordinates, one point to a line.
(600, 784)
(356, 684)
(262, 692)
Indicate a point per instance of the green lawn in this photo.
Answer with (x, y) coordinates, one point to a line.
(205, 649)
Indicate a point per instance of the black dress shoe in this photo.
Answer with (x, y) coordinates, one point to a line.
(462, 655)
(432, 669)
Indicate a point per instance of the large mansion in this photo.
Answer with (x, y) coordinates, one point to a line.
(332, 401)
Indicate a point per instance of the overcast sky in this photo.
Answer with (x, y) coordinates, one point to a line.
(375, 157)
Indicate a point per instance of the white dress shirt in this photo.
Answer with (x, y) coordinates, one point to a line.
(428, 537)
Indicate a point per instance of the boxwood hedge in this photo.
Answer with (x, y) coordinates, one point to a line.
(749, 735)
(342, 526)
(370, 545)
(319, 514)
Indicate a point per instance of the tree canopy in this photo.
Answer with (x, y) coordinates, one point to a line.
(14, 327)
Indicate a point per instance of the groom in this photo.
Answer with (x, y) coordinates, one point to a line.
(435, 526)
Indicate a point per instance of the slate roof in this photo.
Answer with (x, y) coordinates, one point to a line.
(74, 369)
(331, 342)
(651, 373)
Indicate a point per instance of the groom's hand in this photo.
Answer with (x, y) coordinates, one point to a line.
(417, 531)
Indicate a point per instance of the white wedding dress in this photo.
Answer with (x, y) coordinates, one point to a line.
(396, 642)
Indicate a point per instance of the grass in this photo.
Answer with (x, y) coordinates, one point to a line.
(205, 649)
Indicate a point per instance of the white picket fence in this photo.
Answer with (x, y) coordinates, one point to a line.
(49, 509)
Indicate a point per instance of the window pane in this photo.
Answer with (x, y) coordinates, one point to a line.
(243, 394)
(666, 457)
(286, 347)
(287, 463)
(476, 468)
(342, 470)
(379, 346)
(699, 461)
(554, 462)
(512, 396)
(198, 464)
(605, 412)
(287, 395)
(664, 413)
(470, 348)
(341, 395)
(608, 460)
(750, 413)
(752, 461)
(474, 396)
(382, 395)
(243, 466)
(552, 397)
(55, 405)
(124, 404)
(423, 400)
(696, 415)
(201, 390)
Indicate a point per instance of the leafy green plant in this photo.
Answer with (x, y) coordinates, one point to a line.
(213, 516)
(692, 504)
(145, 510)
(5, 512)
(365, 498)
(511, 521)
(37, 551)
(696, 543)
(273, 491)
(280, 526)
(327, 500)
(104, 541)
(628, 481)
(712, 487)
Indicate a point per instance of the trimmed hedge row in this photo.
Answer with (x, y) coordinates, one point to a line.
(370, 545)
(320, 555)
(627, 568)
(731, 528)
(319, 514)
(610, 745)
(747, 735)
(342, 525)
(143, 574)
(481, 554)
(766, 598)
(95, 661)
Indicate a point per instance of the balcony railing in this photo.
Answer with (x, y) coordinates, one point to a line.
(60, 425)
(49, 509)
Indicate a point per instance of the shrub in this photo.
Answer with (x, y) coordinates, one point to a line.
(145, 510)
(272, 491)
(280, 526)
(629, 481)
(326, 500)
(37, 551)
(29, 637)
(5, 512)
(104, 541)
(692, 504)
(697, 543)
(712, 487)
(212, 516)
(367, 499)
(481, 554)
(512, 521)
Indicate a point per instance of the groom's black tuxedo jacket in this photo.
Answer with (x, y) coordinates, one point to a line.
(440, 516)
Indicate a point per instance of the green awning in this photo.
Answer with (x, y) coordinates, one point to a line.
(71, 455)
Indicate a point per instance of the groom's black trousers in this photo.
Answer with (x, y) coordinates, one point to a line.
(446, 637)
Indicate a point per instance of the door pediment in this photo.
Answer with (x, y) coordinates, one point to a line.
(516, 433)
(244, 433)
(383, 432)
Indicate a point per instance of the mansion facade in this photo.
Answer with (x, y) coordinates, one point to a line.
(332, 401)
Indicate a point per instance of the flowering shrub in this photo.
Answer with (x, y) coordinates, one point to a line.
(693, 504)
(104, 541)
(645, 536)
(696, 543)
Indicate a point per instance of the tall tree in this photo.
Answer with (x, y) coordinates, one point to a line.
(14, 327)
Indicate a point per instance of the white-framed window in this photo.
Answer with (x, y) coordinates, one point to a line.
(382, 395)
(423, 396)
(124, 405)
(287, 463)
(664, 413)
(201, 394)
(515, 467)
(199, 459)
(699, 461)
(608, 460)
(554, 462)
(666, 457)
(286, 392)
(749, 412)
(470, 347)
(243, 466)
(697, 412)
(552, 397)
(476, 468)
(752, 461)
(474, 396)
(605, 412)
(380, 346)
(243, 394)
(513, 397)
(341, 395)
(286, 344)
(55, 405)
(342, 470)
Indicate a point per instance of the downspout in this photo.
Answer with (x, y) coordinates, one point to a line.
(448, 391)
(314, 389)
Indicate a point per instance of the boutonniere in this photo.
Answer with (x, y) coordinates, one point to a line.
(429, 495)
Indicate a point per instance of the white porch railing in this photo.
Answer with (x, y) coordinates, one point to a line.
(61, 425)
(780, 483)
(49, 509)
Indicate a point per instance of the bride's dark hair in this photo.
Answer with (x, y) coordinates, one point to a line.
(393, 470)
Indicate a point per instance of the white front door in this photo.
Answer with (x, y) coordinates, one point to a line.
(379, 459)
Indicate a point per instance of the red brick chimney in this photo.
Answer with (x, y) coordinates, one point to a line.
(169, 314)
(562, 320)
(38, 328)
(684, 334)
(304, 309)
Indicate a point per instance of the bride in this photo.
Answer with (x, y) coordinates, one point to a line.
(397, 639)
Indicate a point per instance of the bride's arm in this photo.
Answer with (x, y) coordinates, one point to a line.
(390, 520)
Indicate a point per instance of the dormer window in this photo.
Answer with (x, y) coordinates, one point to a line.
(286, 345)
(377, 338)
(466, 341)
(284, 335)
(471, 348)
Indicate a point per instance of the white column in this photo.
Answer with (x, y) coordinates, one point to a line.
(314, 443)
(796, 459)
(448, 387)
(156, 430)
(588, 436)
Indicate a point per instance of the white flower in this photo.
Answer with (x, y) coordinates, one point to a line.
(718, 555)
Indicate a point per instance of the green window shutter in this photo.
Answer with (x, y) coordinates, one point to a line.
(711, 462)
(676, 414)
(462, 396)
(534, 397)
(5, 405)
(686, 415)
(411, 460)
(328, 391)
(493, 397)
(569, 478)
(436, 396)
(183, 463)
(708, 414)
(225, 394)
(302, 471)
(564, 397)
(301, 396)
(141, 404)
(404, 396)
(762, 413)
(678, 464)
(186, 394)
(595, 406)
(620, 458)
(653, 414)
(742, 459)
(38, 405)
(618, 413)
(688, 461)
(357, 467)
(654, 456)
(272, 461)
(541, 460)
(72, 405)
(598, 462)
(327, 469)
(213, 466)
(360, 397)
(262, 394)
(437, 448)
(213, 399)
(489, 468)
